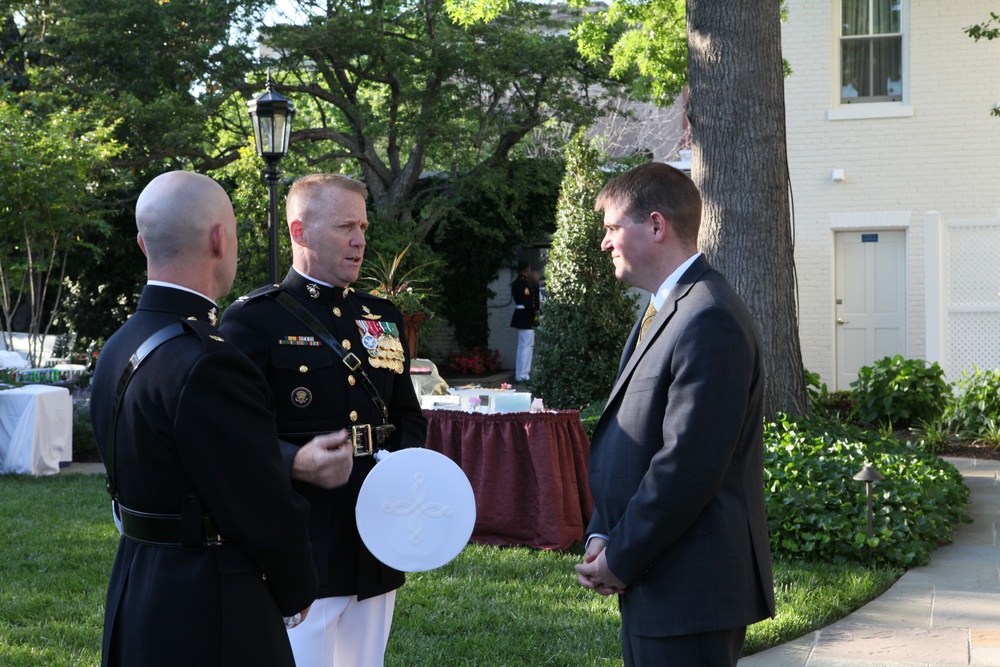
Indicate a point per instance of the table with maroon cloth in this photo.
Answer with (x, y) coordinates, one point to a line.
(527, 470)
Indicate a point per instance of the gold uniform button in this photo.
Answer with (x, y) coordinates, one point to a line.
(351, 381)
(346, 343)
(303, 368)
(336, 311)
(354, 415)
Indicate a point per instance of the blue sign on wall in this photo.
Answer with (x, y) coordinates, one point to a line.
(869, 238)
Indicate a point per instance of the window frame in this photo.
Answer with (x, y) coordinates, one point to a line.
(869, 107)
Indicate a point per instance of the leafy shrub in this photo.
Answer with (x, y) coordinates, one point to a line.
(898, 392)
(976, 402)
(933, 436)
(588, 313)
(475, 361)
(817, 511)
(838, 405)
(590, 416)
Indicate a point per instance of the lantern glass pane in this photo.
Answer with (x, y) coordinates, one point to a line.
(279, 134)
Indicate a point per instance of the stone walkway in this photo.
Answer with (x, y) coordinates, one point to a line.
(942, 615)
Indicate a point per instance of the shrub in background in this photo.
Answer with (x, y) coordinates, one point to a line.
(588, 313)
(976, 403)
(838, 405)
(817, 511)
(897, 393)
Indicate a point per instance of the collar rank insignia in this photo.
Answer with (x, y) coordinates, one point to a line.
(313, 290)
(213, 315)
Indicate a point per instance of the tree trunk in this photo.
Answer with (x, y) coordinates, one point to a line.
(736, 111)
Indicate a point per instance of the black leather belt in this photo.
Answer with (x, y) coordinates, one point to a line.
(365, 437)
(165, 530)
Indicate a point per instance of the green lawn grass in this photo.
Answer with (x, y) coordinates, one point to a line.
(489, 607)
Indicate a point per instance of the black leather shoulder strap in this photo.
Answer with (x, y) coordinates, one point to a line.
(163, 335)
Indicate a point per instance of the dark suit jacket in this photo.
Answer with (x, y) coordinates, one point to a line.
(676, 466)
(526, 295)
(295, 368)
(196, 419)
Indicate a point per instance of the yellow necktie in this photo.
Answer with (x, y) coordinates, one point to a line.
(647, 317)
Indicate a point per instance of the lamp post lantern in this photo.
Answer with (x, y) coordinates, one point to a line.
(868, 475)
(271, 115)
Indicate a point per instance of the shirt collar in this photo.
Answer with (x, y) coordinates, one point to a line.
(660, 297)
(161, 283)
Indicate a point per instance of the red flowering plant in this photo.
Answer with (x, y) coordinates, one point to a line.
(475, 361)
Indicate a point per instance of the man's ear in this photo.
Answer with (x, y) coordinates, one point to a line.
(218, 238)
(297, 232)
(142, 244)
(659, 226)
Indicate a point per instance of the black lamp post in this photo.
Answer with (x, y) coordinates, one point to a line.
(271, 115)
(868, 475)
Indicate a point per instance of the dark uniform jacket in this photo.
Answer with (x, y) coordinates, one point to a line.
(524, 294)
(196, 423)
(676, 466)
(314, 393)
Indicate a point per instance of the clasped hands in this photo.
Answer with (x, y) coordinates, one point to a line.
(325, 461)
(594, 574)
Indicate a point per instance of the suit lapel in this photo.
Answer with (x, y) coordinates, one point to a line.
(656, 327)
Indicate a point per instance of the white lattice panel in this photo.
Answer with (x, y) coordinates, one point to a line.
(973, 296)
(974, 340)
(974, 266)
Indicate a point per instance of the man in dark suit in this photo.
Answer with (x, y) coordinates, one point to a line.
(214, 549)
(679, 529)
(526, 305)
(297, 333)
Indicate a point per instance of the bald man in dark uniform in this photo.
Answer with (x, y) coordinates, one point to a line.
(214, 549)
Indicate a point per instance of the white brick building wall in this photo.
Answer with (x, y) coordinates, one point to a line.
(940, 153)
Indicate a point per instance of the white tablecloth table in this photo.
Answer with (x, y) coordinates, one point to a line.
(36, 429)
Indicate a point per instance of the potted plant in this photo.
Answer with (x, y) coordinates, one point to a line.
(387, 279)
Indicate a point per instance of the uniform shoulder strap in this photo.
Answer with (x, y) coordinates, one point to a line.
(172, 330)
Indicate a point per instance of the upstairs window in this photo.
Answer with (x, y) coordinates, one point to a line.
(871, 51)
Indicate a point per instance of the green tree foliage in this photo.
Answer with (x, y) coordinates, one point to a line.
(52, 166)
(588, 313)
(506, 206)
(395, 90)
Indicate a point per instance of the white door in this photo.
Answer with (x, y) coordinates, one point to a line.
(870, 300)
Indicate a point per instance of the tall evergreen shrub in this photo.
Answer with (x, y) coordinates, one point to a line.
(588, 313)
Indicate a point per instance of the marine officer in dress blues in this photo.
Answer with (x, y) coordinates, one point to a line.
(331, 354)
(214, 547)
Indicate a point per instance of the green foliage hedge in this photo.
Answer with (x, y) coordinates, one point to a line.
(817, 511)
(900, 392)
(976, 403)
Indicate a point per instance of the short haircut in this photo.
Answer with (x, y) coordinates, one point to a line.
(523, 266)
(311, 184)
(656, 186)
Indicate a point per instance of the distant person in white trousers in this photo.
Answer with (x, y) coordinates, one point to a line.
(525, 295)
